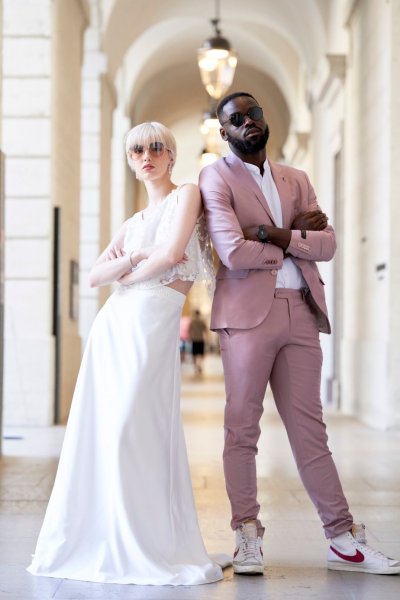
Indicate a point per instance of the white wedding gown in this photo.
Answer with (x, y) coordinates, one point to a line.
(122, 507)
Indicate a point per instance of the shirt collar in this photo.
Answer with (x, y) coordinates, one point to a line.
(251, 167)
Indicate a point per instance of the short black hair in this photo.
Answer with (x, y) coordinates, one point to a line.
(228, 98)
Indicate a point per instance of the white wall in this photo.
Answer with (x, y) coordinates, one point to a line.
(366, 345)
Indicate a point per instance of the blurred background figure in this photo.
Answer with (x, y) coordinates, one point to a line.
(198, 333)
(184, 336)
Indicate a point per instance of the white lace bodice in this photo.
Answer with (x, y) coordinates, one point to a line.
(155, 229)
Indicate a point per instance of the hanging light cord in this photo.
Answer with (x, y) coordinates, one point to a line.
(216, 20)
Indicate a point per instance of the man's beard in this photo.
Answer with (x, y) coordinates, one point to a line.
(250, 146)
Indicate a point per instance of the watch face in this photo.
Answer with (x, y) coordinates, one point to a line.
(261, 233)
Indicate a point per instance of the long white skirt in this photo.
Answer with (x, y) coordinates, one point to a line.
(122, 507)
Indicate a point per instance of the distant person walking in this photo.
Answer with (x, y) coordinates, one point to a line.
(197, 332)
(184, 336)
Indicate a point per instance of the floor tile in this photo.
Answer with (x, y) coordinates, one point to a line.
(295, 546)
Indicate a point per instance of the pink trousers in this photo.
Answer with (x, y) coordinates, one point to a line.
(283, 350)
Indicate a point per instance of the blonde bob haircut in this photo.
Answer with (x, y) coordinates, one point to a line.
(148, 133)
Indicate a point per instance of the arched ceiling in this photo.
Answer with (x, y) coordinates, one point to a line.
(151, 54)
(301, 23)
(170, 43)
(188, 97)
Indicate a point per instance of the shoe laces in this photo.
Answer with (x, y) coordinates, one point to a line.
(249, 545)
(372, 552)
(358, 533)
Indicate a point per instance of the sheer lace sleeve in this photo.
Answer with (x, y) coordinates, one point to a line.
(206, 268)
(199, 264)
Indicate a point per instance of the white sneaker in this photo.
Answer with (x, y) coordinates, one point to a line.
(349, 552)
(248, 556)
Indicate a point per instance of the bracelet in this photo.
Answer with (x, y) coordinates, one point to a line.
(130, 259)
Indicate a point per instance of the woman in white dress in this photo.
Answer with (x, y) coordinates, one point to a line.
(122, 508)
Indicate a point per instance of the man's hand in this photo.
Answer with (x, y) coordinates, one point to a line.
(314, 220)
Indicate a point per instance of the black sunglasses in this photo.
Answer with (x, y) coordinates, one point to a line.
(237, 119)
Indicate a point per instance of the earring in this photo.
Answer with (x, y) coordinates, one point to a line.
(170, 167)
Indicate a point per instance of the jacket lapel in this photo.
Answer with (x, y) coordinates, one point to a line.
(236, 166)
(284, 191)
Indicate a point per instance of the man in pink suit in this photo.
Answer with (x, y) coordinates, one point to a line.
(268, 309)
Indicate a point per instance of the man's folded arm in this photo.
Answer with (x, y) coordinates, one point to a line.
(234, 251)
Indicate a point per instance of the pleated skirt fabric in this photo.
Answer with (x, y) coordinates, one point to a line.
(122, 507)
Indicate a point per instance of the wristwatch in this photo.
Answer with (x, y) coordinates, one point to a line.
(262, 234)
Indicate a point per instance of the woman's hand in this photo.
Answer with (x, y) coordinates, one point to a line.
(183, 260)
(131, 276)
(115, 252)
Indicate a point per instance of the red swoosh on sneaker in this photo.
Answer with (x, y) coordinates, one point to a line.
(358, 557)
(236, 553)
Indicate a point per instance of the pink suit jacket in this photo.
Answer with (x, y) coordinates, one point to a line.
(247, 272)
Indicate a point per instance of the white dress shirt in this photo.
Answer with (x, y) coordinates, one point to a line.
(289, 276)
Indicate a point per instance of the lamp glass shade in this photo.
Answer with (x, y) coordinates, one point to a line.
(209, 124)
(217, 68)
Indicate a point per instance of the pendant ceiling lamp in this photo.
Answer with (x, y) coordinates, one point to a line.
(212, 140)
(209, 120)
(217, 61)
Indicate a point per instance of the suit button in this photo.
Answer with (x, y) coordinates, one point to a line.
(274, 272)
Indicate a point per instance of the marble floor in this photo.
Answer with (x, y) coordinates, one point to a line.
(294, 547)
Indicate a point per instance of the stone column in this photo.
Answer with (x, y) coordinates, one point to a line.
(2, 244)
(29, 344)
(97, 105)
(41, 125)
(69, 22)
(370, 123)
(327, 136)
(394, 250)
(108, 102)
